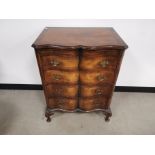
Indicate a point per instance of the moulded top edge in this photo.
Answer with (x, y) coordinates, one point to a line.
(78, 47)
(79, 37)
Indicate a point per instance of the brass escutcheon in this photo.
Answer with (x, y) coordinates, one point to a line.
(59, 91)
(98, 91)
(100, 78)
(104, 63)
(55, 63)
(56, 77)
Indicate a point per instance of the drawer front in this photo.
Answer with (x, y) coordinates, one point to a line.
(95, 91)
(101, 77)
(60, 62)
(98, 63)
(62, 103)
(56, 76)
(62, 91)
(92, 104)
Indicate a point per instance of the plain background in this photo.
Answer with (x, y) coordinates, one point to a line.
(18, 63)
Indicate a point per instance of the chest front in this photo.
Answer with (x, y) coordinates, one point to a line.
(79, 68)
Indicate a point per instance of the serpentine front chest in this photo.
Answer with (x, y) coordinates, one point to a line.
(79, 68)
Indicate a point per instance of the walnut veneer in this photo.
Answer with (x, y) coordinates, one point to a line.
(79, 68)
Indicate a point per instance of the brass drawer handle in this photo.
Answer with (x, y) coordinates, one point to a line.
(57, 77)
(100, 78)
(59, 91)
(104, 63)
(98, 91)
(55, 63)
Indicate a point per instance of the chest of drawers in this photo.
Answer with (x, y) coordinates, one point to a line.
(79, 68)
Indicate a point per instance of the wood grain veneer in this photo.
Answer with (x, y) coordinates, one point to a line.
(79, 68)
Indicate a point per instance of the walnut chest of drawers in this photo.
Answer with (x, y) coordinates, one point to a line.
(79, 68)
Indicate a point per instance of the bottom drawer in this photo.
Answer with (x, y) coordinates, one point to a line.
(92, 104)
(62, 103)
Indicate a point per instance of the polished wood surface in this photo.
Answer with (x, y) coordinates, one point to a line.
(97, 77)
(79, 68)
(62, 103)
(61, 77)
(62, 90)
(52, 59)
(57, 62)
(75, 37)
(95, 103)
(100, 61)
(95, 91)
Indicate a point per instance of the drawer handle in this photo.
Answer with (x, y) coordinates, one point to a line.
(98, 91)
(59, 91)
(100, 78)
(104, 63)
(55, 63)
(57, 77)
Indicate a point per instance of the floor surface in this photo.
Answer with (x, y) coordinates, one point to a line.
(22, 112)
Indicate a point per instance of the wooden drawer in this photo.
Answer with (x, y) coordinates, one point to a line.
(62, 91)
(92, 104)
(60, 62)
(95, 91)
(99, 63)
(62, 103)
(61, 77)
(94, 78)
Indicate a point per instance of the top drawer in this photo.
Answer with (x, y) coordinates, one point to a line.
(59, 62)
(99, 60)
(59, 59)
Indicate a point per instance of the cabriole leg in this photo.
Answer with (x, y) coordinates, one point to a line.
(107, 114)
(48, 114)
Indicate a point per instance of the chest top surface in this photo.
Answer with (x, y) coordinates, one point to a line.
(84, 37)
